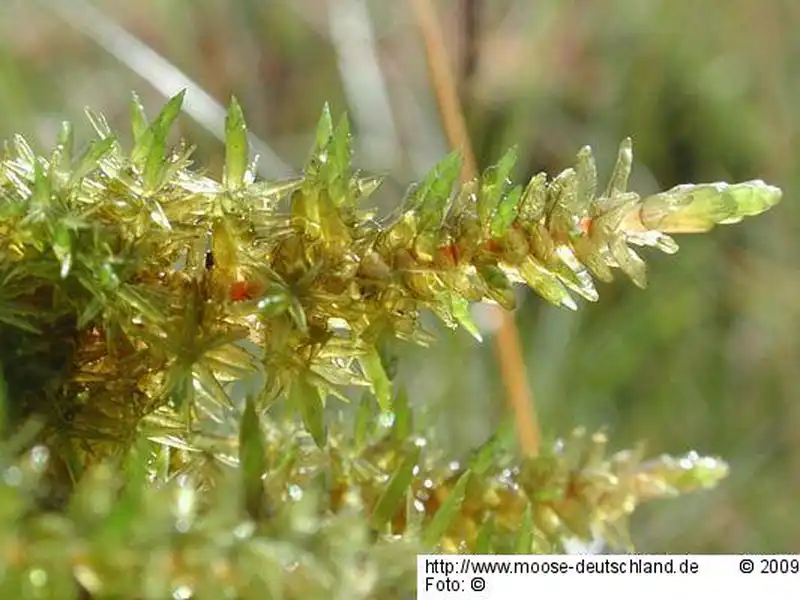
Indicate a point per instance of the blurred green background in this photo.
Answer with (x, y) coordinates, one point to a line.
(704, 359)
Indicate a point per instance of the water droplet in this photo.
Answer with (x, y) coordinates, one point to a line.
(244, 531)
(183, 592)
(88, 578)
(295, 492)
(12, 476)
(185, 501)
(386, 419)
(182, 526)
(39, 456)
(38, 577)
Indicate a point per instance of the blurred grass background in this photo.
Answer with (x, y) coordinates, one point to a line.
(704, 359)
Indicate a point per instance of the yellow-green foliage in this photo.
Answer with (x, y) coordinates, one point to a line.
(138, 296)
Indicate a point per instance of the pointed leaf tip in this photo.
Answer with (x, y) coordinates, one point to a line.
(341, 152)
(305, 397)
(524, 539)
(447, 513)
(430, 197)
(375, 373)
(395, 491)
(149, 151)
(139, 121)
(618, 182)
(324, 127)
(237, 151)
(252, 459)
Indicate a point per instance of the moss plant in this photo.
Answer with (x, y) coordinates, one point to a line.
(136, 294)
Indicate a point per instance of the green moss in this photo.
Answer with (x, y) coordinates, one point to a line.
(137, 292)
